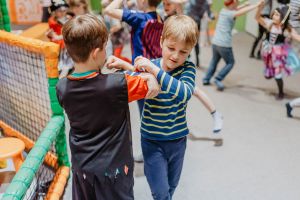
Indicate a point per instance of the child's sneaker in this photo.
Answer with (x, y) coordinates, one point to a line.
(219, 85)
(289, 109)
(218, 121)
(205, 82)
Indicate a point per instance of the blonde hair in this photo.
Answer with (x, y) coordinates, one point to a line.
(75, 3)
(181, 28)
(82, 34)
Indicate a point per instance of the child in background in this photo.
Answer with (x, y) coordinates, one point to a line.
(266, 11)
(290, 105)
(100, 142)
(137, 21)
(79, 7)
(56, 21)
(205, 21)
(173, 7)
(295, 33)
(222, 41)
(119, 34)
(274, 50)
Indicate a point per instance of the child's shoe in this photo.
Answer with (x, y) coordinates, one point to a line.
(219, 85)
(279, 96)
(205, 82)
(289, 109)
(218, 121)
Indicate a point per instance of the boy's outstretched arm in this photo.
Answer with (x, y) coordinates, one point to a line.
(113, 9)
(182, 89)
(205, 100)
(114, 62)
(247, 9)
(209, 105)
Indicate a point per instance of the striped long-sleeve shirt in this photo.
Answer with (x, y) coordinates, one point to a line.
(164, 117)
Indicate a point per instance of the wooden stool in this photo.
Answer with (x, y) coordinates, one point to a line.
(12, 148)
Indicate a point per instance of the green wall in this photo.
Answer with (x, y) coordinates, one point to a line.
(240, 23)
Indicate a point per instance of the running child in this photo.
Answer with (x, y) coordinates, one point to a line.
(274, 49)
(222, 41)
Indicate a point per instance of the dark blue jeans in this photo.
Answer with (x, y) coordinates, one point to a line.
(163, 161)
(218, 53)
(141, 103)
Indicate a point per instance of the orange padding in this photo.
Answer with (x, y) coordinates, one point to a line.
(58, 184)
(50, 158)
(37, 31)
(49, 49)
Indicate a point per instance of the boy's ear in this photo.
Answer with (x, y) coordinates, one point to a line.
(94, 53)
(161, 42)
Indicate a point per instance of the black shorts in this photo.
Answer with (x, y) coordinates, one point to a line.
(90, 187)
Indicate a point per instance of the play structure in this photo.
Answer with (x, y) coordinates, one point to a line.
(4, 17)
(33, 154)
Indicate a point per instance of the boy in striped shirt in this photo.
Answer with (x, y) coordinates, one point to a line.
(164, 126)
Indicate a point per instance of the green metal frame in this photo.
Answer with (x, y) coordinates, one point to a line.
(5, 25)
(22, 180)
(60, 144)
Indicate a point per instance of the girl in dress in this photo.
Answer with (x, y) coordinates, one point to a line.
(275, 49)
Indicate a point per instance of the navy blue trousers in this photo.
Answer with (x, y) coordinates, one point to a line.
(163, 161)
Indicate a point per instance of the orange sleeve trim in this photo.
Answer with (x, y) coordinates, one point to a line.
(137, 87)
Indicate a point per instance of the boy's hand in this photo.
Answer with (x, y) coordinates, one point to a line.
(49, 33)
(247, 3)
(117, 63)
(56, 37)
(144, 64)
(261, 4)
(153, 86)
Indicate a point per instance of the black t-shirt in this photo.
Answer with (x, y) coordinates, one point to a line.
(100, 133)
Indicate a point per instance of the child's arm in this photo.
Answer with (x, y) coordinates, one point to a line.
(205, 100)
(247, 9)
(142, 86)
(259, 18)
(247, 3)
(182, 89)
(295, 35)
(113, 9)
(117, 63)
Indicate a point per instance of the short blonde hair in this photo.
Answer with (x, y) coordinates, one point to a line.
(181, 28)
(76, 3)
(82, 34)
